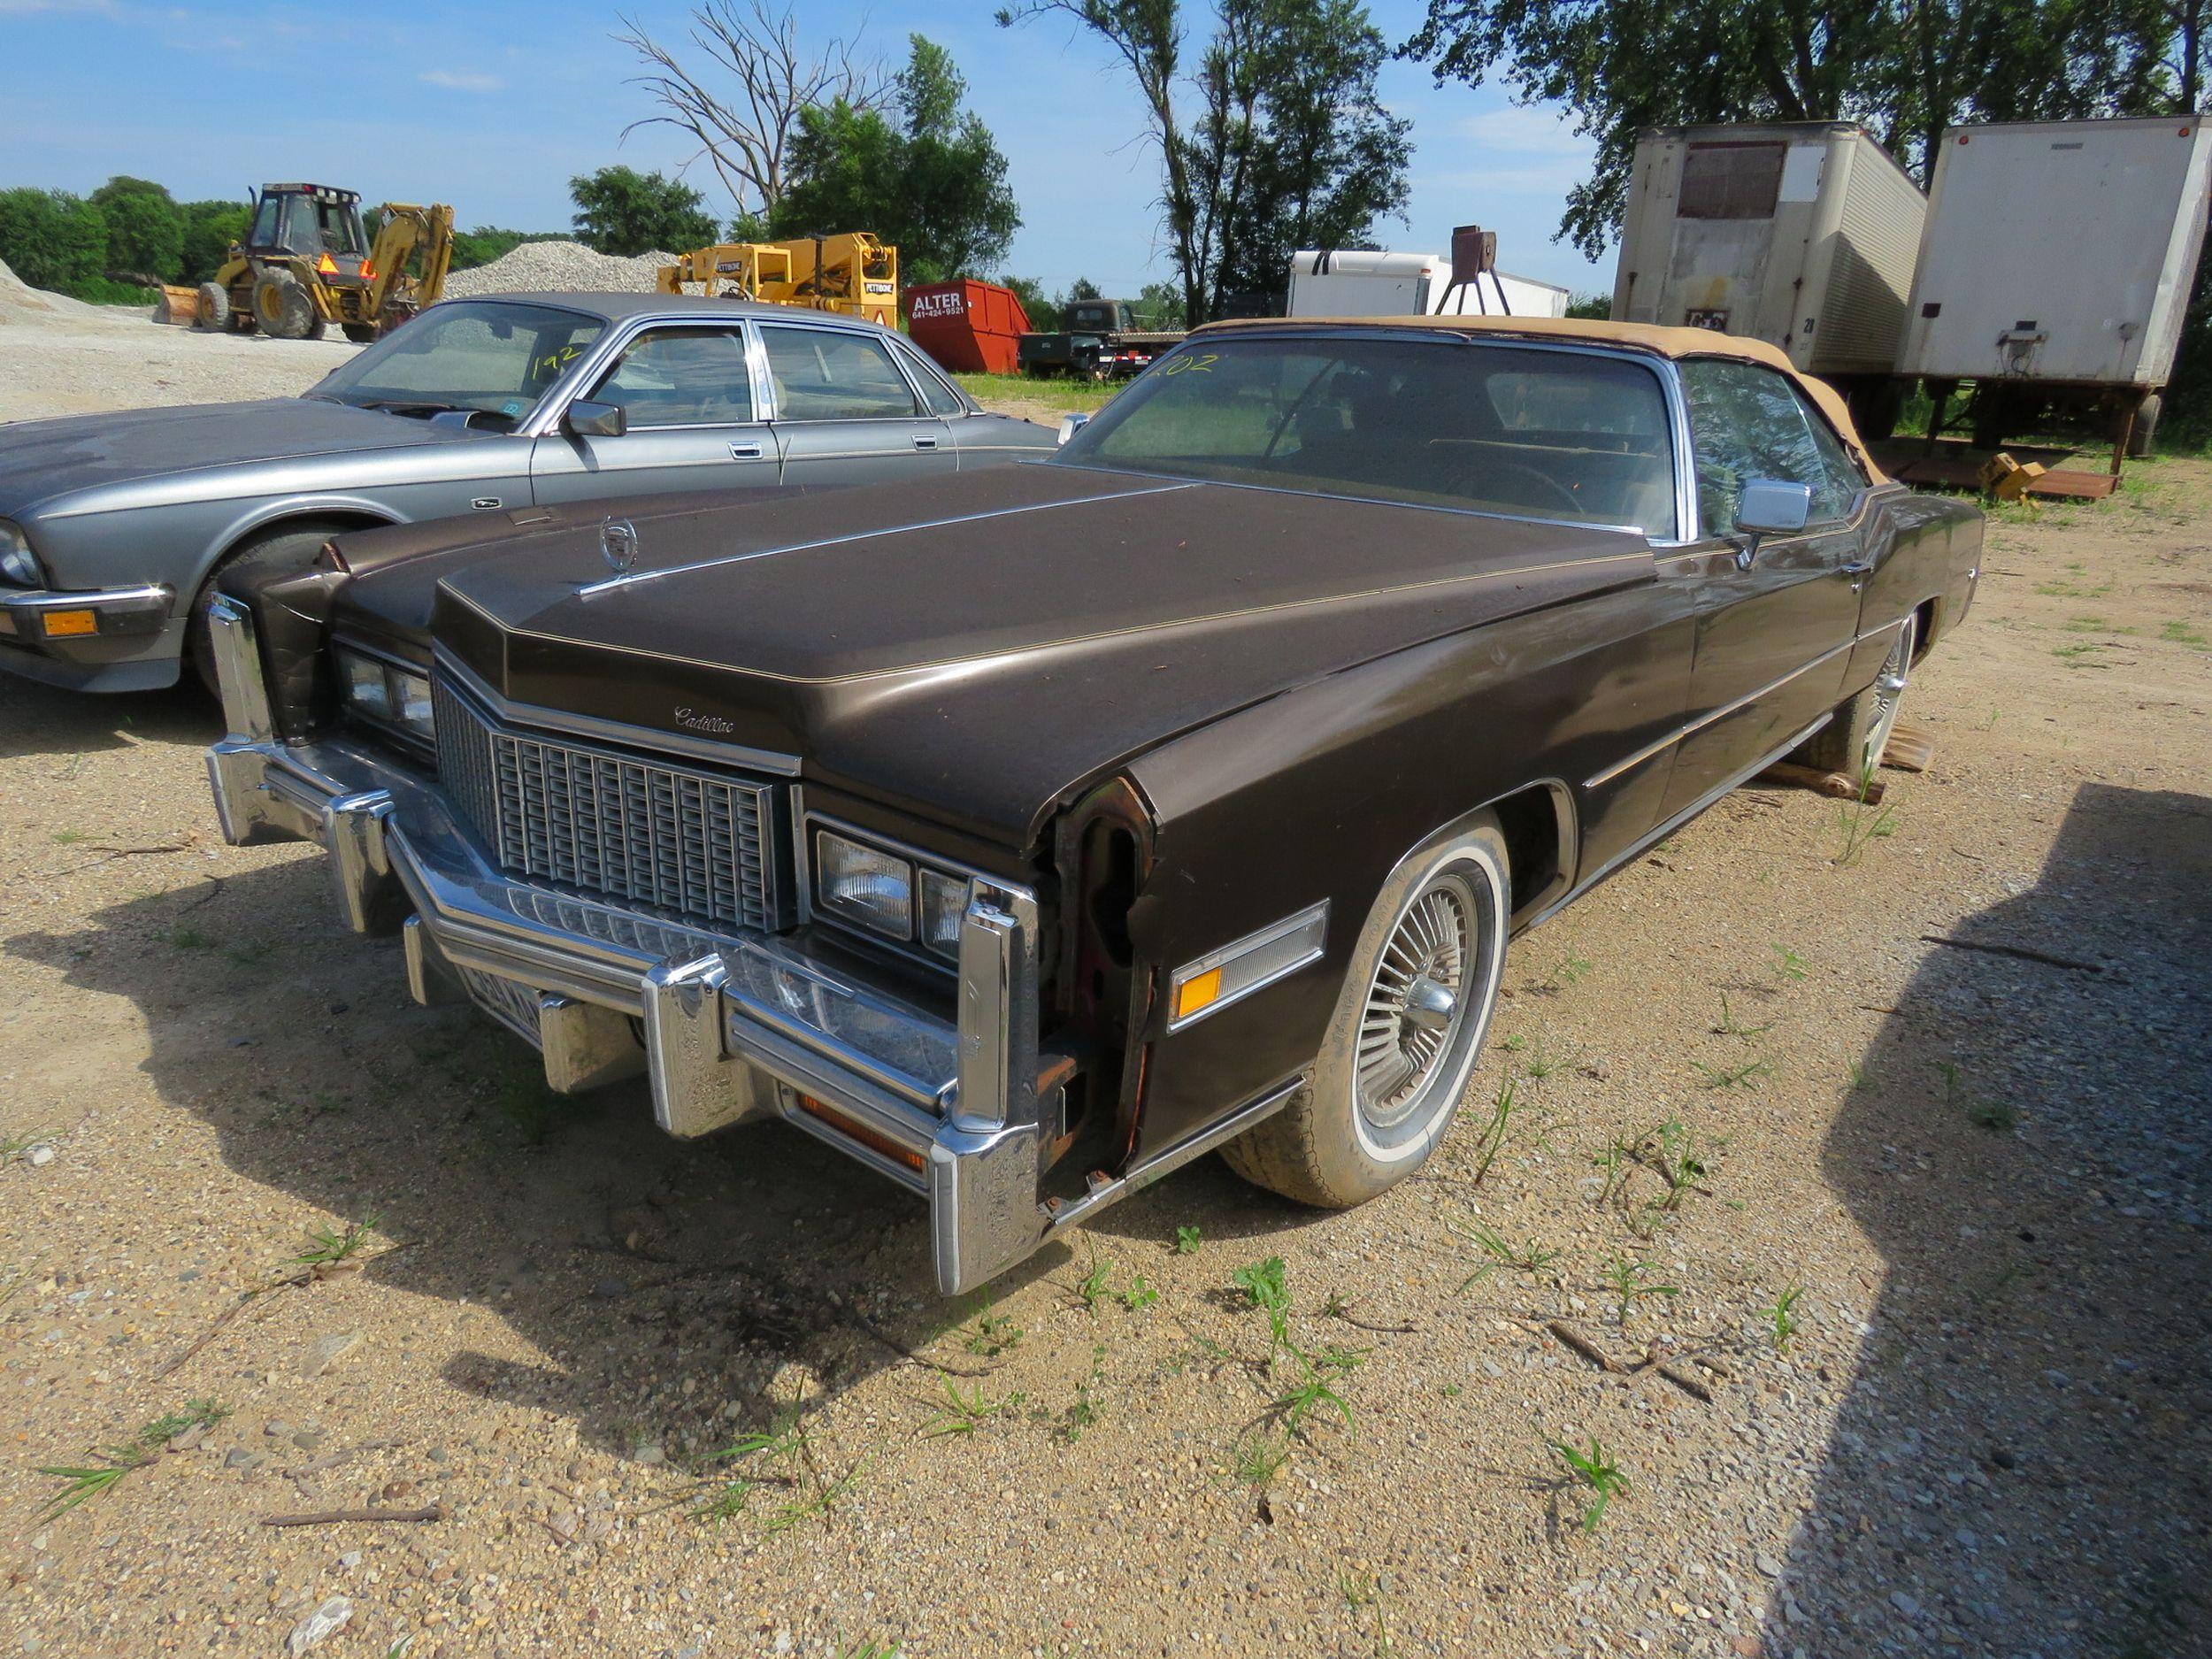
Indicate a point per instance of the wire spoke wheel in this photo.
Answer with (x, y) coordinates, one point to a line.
(1888, 697)
(1423, 1004)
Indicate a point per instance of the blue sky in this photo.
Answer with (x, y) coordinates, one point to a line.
(493, 105)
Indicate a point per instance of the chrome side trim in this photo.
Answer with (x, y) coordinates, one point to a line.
(146, 596)
(616, 583)
(1678, 820)
(1066, 1213)
(1720, 713)
(650, 739)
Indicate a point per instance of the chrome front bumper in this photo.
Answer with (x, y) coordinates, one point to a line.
(726, 1027)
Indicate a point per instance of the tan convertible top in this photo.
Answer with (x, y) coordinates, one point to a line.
(1667, 343)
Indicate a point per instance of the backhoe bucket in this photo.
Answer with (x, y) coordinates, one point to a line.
(179, 305)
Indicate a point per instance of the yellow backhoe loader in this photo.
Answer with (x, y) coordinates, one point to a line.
(853, 273)
(304, 264)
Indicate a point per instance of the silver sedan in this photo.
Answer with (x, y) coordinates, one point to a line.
(113, 527)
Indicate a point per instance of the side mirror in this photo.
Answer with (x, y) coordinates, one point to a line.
(1769, 506)
(585, 419)
(1070, 425)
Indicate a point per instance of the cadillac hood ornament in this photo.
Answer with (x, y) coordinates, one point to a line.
(618, 544)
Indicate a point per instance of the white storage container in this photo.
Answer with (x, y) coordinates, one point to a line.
(1801, 233)
(1364, 282)
(2060, 252)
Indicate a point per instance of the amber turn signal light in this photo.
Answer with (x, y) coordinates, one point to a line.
(68, 625)
(1197, 993)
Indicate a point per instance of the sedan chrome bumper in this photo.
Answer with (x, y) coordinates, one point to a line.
(725, 1026)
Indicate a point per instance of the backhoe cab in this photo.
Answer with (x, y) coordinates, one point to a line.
(306, 263)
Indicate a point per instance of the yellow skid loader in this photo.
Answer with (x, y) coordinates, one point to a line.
(853, 273)
(305, 264)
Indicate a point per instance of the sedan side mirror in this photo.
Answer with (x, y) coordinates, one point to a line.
(1070, 425)
(1769, 506)
(586, 419)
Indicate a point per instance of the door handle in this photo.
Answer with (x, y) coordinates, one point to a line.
(924, 443)
(744, 452)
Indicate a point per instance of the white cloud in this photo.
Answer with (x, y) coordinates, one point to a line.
(457, 79)
(1525, 130)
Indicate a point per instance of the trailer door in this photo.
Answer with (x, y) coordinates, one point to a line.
(1724, 233)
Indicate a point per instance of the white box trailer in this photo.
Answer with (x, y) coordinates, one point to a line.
(1372, 282)
(1801, 233)
(2058, 259)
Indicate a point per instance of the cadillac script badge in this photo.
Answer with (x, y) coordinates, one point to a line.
(617, 542)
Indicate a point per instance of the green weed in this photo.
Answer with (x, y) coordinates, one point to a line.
(966, 1413)
(1186, 1240)
(1491, 1140)
(330, 1246)
(1530, 1257)
(1782, 1317)
(1630, 1283)
(1729, 1026)
(1592, 1468)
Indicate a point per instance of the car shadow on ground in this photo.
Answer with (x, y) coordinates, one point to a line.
(659, 1280)
(37, 719)
(2029, 1145)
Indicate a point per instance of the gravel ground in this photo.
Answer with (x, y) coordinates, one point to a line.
(1984, 1161)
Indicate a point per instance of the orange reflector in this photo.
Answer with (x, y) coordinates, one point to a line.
(327, 265)
(62, 625)
(1197, 993)
(368, 270)
(875, 1140)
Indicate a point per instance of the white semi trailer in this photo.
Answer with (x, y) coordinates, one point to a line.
(1801, 233)
(2055, 269)
(1370, 282)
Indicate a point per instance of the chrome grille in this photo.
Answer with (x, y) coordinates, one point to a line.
(677, 839)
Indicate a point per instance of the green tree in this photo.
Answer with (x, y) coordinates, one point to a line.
(1904, 68)
(919, 171)
(210, 227)
(1082, 288)
(622, 212)
(145, 230)
(1043, 309)
(52, 239)
(487, 242)
(1277, 139)
(1161, 306)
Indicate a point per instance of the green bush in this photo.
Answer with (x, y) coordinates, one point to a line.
(210, 227)
(50, 238)
(145, 228)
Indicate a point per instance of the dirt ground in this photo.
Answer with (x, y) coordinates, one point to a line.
(1933, 1075)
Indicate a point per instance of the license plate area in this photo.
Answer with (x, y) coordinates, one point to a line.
(510, 1002)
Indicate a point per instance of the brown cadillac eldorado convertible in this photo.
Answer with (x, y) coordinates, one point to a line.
(1025, 834)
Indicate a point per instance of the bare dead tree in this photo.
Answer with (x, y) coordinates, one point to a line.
(741, 98)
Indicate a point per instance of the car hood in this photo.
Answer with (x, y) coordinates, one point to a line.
(971, 649)
(42, 459)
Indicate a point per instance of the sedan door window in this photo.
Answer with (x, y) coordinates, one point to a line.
(681, 377)
(827, 374)
(1748, 422)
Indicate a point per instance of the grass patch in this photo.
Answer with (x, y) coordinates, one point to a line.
(1061, 392)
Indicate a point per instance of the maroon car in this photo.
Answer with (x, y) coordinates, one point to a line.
(1025, 834)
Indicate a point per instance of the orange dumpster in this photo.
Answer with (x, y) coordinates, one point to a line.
(974, 328)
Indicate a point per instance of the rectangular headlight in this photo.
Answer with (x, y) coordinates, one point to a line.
(944, 901)
(864, 885)
(389, 695)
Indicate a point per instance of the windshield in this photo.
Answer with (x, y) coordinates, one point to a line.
(493, 356)
(1538, 434)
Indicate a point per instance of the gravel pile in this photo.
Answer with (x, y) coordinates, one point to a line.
(558, 266)
(21, 303)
